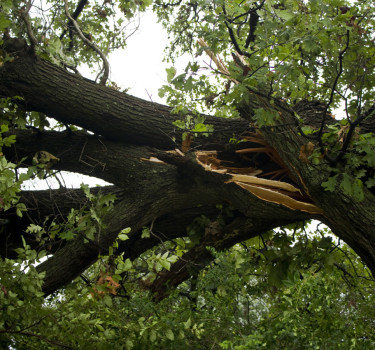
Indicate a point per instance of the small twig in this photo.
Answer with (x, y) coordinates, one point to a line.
(104, 78)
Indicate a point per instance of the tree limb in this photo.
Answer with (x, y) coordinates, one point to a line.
(104, 78)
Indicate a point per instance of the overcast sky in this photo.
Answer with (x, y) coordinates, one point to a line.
(140, 67)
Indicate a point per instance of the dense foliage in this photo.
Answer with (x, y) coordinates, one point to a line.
(290, 50)
(295, 287)
(287, 290)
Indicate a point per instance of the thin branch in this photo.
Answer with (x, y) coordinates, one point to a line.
(90, 44)
(25, 17)
(75, 15)
(333, 89)
(349, 136)
(169, 4)
(29, 334)
(74, 69)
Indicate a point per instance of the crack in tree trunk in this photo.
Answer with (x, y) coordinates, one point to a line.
(128, 132)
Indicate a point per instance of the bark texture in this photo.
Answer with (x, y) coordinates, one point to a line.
(127, 134)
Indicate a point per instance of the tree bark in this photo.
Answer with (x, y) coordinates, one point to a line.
(115, 115)
(146, 192)
(169, 193)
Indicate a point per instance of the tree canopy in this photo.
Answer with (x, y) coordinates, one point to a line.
(240, 216)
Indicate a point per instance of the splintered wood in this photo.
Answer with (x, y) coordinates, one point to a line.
(278, 192)
(252, 179)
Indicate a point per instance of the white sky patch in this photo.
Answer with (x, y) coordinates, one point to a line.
(140, 65)
(63, 179)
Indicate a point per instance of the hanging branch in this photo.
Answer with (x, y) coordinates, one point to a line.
(253, 22)
(70, 26)
(232, 36)
(90, 44)
(75, 15)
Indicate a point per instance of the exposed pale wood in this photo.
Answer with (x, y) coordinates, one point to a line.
(263, 182)
(279, 198)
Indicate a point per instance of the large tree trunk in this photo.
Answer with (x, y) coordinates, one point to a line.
(130, 134)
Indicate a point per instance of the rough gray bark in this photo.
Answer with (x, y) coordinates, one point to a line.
(168, 195)
(171, 196)
(104, 111)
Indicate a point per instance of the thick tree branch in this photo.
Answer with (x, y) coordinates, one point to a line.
(84, 153)
(46, 88)
(347, 216)
(150, 191)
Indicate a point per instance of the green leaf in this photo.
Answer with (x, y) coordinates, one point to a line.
(126, 230)
(100, 327)
(158, 266)
(169, 334)
(265, 117)
(6, 6)
(4, 22)
(166, 264)
(107, 300)
(286, 15)
(4, 128)
(123, 237)
(199, 128)
(180, 124)
(330, 184)
(152, 336)
(187, 324)
(346, 184)
(370, 182)
(128, 265)
(32, 228)
(145, 233)
(8, 141)
(171, 72)
(358, 193)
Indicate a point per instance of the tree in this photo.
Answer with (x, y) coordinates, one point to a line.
(272, 156)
